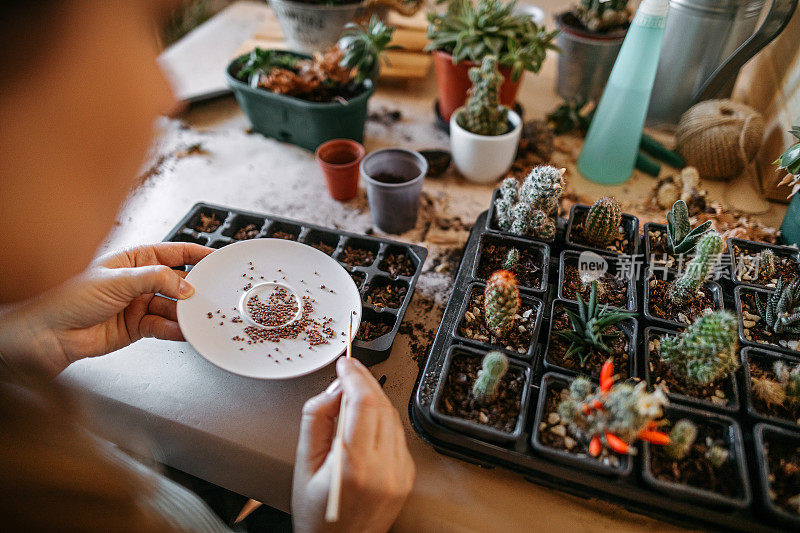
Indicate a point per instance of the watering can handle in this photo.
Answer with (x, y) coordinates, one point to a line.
(776, 20)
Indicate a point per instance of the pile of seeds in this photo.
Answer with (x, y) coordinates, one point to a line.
(279, 308)
(315, 332)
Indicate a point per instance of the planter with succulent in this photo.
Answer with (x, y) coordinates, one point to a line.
(484, 135)
(672, 245)
(770, 319)
(585, 335)
(482, 394)
(761, 264)
(772, 387)
(603, 227)
(778, 460)
(696, 366)
(676, 300)
(307, 101)
(495, 316)
(528, 261)
(616, 288)
(465, 33)
(789, 161)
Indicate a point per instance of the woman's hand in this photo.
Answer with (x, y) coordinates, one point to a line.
(112, 304)
(377, 469)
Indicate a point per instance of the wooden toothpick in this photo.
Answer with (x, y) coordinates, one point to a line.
(335, 489)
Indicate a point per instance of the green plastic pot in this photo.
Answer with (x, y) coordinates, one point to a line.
(300, 122)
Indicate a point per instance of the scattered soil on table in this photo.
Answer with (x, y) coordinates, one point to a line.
(386, 295)
(761, 368)
(783, 462)
(594, 361)
(660, 254)
(208, 223)
(555, 434)
(663, 377)
(446, 262)
(700, 303)
(246, 232)
(358, 277)
(397, 264)
(615, 290)
(528, 270)
(369, 331)
(284, 235)
(694, 469)
(357, 256)
(322, 247)
(621, 244)
(754, 326)
(518, 339)
(457, 400)
(748, 267)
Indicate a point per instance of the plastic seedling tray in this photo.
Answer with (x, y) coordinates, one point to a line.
(787, 252)
(766, 433)
(713, 286)
(630, 226)
(570, 257)
(575, 477)
(371, 275)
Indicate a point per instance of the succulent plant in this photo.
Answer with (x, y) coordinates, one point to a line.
(784, 389)
(364, 45)
(591, 327)
(493, 367)
(681, 439)
(483, 114)
(470, 32)
(512, 259)
(781, 313)
(699, 269)
(530, 209)
(767, 263)
(790, 162)
(501, 302)
(681, 237)
(602, 222)
(603, 15)
(706, 351)
(571, 115)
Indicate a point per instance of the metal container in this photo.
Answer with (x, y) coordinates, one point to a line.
(699, 36)
(309, 28)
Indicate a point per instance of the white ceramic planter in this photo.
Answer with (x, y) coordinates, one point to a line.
(484, 158)
(309, 28)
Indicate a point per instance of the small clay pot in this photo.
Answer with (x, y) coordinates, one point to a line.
(339, 160)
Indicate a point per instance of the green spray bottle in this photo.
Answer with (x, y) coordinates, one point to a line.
(612, 142)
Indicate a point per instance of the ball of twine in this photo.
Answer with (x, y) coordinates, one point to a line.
(720, 137)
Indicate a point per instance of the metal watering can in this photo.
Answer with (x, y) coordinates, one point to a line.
(706, 43)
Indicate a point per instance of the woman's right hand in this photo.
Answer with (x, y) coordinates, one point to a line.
(377, 469)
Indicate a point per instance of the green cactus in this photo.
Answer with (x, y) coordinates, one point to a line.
(706, 351)
(483, 114)
(493, 368)
(681, 237)
(541, 225)
(602, 222)
(512, 260)
(783, 390)
(530, 209)
(501, 302)
(781, 313)
(681, 439)
(699, 269)
(603, 15)
(542, 187)
(591, 327)
(768, 263)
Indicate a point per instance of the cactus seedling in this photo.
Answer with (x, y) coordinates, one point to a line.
(784, 390)
(602, 222)
(493, 368)
(512, 259)
(699, 269)
(781, 313)
(501, 302)
(529, 209)
(706, 351)
(483, 114)
(768, 263)
(681, 439)
(717, 455)
(681, 237)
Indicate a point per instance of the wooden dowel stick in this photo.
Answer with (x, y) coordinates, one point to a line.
(334, 492)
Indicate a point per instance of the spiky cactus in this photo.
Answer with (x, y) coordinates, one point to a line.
(681, 439)
(783, 390)
(681, 237)
(781, 313)
(768, 263)
(512, 259)
(603, 15)
(602, 222)
(706, 351)
(541, 225)
(493, 368)
(530, 209)
(717, 455)
(483, 114)
(699, 269)
(501, 302)
(543, 187)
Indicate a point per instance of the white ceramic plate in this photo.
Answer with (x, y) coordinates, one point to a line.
(219, 283)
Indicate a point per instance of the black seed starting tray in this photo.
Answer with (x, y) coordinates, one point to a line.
(629, 483)
(366, 258)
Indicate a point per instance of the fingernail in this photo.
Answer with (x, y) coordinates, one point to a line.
(185, 289)
(334, 387)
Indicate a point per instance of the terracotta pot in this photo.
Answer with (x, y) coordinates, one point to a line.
(453, 82)
(339, 160)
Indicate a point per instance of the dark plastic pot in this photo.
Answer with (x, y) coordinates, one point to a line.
(491, 223)
(394, 206)
(713, 286)
(571, 256)
(737, 297)
(535, 304)
(630, 225)
(469, 427)
(339, 160)
(629, 327)
(553, 381)
(535, 249)
(648, 250)
(730, 386)
(733, 434)
(761, 433)
(300, 122)
(787, 252)
(754, 354)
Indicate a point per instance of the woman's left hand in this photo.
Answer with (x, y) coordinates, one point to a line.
(112, 304)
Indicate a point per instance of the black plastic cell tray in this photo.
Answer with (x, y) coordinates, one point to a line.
(519, 456)
(368, 352)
